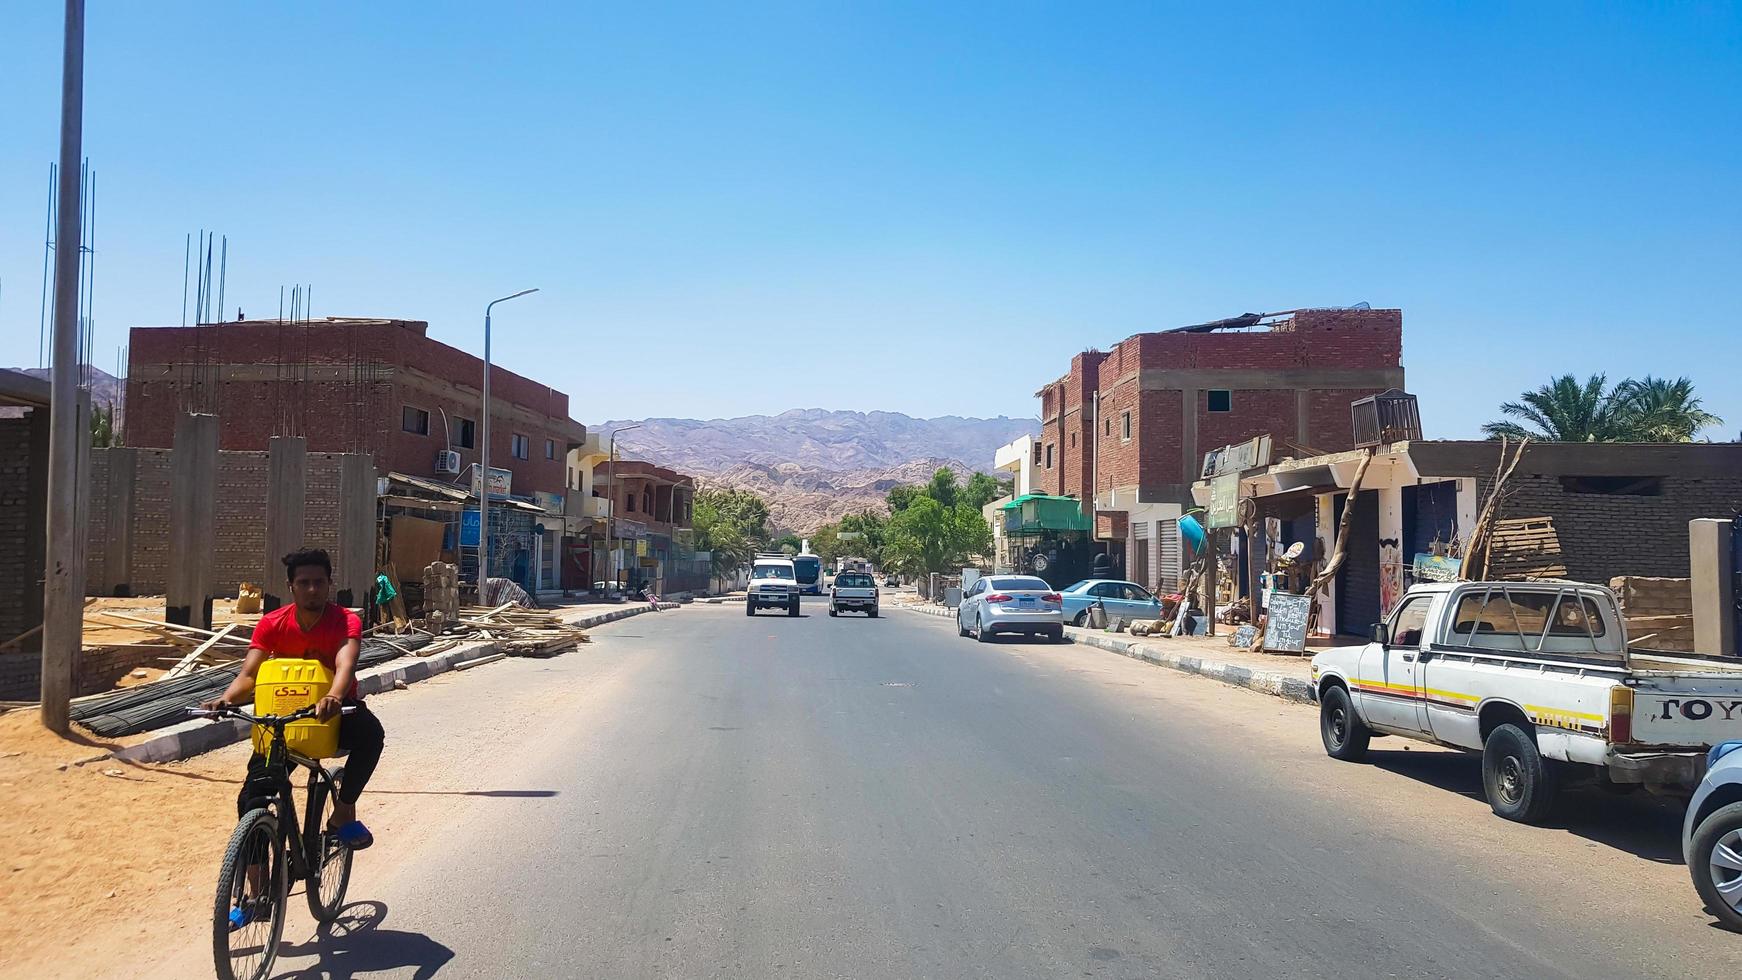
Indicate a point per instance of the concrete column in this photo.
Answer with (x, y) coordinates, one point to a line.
(1391, 556)
(1712, 566)
(286, 504)
(1325, 521)
(118, 549)
(82, 494)
(1301, 420)
(1467, 507)
(355, 562)
(1191, 462)
(193, 511)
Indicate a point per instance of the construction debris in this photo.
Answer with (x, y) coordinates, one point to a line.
(522, 632)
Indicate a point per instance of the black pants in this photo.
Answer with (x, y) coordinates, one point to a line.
(360, 733)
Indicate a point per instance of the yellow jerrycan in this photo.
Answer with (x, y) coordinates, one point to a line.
(284, 686)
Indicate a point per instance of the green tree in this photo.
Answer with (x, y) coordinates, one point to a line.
(871, 529)
(929, 537)
(899, 497)
(741, 508)
(732, 525)
(1661, 410)
(1566, 410)
(788, 544)
(942, 487)
(103, 432)
(982, 489)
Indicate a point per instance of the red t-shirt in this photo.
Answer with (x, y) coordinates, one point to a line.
(280, 635)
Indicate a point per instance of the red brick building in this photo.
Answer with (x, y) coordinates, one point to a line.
(1126, 430)
(380, 386)
(652, 506)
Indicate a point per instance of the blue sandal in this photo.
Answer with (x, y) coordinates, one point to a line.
(354, 835)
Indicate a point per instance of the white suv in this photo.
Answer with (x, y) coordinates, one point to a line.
(773, 583)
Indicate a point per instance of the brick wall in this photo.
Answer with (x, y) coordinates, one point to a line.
(240, 527)
(16, 575)
(356, 405)
(98, 670)
(1606, 535)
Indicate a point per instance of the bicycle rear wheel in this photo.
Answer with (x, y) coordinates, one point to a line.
(248, 914)
(329, 860)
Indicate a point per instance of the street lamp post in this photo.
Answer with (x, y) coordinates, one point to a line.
(484, 453)
(611, 487)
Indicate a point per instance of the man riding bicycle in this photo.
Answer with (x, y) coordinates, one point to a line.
(313, 628)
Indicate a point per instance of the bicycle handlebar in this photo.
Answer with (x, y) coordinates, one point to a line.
(235, 712)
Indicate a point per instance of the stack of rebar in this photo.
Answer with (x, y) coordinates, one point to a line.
(165, 702)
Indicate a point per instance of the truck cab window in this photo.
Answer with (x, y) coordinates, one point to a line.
(1407, 625)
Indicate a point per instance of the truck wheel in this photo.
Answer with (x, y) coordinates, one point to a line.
(1344, 734)
(832, 611)
(1715, 861)
(1519, 782)
(749, 608)
(872, 612)
(792, 608)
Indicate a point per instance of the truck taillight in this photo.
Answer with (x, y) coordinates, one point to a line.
(1620, 713)
(997, 597)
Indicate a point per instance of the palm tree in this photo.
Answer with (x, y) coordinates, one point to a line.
(1661, 410)
(1565, 410)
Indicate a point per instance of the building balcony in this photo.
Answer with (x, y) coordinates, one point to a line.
(583, 504)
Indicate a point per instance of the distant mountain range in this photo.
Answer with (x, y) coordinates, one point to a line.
(815, 465)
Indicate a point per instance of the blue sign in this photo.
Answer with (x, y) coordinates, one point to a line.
(468, 529)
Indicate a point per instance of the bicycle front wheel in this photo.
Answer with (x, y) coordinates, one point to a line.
(248, 914)
(329, 861)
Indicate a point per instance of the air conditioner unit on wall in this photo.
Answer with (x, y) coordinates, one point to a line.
(447, 461)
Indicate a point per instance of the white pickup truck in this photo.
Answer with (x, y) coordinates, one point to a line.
(853, 592)
(773, 584)
(1538, 678)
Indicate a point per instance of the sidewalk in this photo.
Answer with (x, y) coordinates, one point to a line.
(194, 737)
(1286, 676)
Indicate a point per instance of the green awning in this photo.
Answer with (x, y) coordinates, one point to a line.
(1036, 512)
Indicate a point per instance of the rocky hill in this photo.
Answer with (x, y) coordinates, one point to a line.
(106, 390)
(813, 465)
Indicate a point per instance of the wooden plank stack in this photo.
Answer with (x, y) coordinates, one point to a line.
(1525, 549)
(522, 632)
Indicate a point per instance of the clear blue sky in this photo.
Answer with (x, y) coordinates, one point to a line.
(737, 208)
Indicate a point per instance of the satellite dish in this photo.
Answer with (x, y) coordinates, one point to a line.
(1294, 550)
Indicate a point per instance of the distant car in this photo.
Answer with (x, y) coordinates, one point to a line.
(1010, 604)
(853, 592)
(1712, 834)
(1126, 600)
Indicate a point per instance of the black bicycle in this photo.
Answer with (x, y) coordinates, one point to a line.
(268, 851)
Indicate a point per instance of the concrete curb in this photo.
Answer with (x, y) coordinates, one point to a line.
(191, 738)
(1263, 681)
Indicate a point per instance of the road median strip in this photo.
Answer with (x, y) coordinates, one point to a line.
(191, 738)
(1273, 683)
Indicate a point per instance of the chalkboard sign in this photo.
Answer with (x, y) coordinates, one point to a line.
(1286, 628)
(1243, 636)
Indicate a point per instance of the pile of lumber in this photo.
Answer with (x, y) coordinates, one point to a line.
(1525, 549)
(194, 648)
(522, 632)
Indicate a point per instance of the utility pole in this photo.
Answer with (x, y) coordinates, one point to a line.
(63, 588)
(484, 453)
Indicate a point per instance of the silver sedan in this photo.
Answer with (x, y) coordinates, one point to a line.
(1010, 604)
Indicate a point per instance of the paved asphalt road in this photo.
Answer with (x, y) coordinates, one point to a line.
(699, 794)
